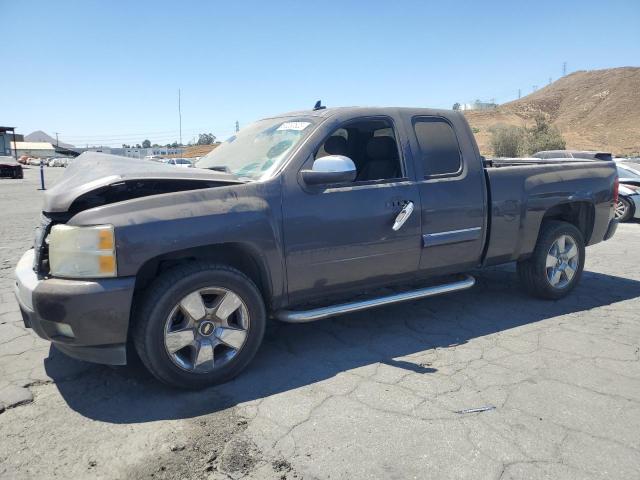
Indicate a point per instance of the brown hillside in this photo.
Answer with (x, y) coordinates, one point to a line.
(194, 151)
(594, 110)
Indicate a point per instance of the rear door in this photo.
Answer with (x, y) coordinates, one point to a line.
(451, 184)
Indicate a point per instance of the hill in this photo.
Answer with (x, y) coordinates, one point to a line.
(194, 151)
(594, 110)
(40, 136)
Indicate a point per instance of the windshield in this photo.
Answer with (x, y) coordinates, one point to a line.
(255, 151)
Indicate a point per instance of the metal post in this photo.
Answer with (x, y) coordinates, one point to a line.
(42, 175)
(15, 144)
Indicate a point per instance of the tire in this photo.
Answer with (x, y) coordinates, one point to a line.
(537, 278)
(623, 210)
(162, 322)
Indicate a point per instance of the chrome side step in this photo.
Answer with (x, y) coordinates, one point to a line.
(303, 316)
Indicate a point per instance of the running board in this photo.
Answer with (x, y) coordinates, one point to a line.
(303, 316)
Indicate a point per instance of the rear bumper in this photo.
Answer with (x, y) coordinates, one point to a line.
(86, 319)
(635, 199)
(611, 230)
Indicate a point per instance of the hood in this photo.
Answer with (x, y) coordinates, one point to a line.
(95, 179)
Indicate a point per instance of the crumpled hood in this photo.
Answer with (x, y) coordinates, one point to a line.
(92, 171)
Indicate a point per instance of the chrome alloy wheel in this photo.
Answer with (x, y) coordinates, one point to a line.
(620, 209)
(206, 329)
(562, 261)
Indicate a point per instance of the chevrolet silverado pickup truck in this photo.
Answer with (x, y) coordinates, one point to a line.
(298, 217)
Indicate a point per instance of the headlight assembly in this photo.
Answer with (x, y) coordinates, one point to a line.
(82, 252)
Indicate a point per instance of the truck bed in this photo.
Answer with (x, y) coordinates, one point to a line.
(522, 190)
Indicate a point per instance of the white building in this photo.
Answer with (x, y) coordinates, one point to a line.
(134, 152)
(478, 105)
(33, 149)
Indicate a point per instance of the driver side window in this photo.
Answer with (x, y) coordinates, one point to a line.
(370, 144)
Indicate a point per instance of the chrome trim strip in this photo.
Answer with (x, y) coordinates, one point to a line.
(452, 236)
(303, 316)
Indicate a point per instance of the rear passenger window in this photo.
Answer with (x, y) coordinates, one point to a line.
(439, 150)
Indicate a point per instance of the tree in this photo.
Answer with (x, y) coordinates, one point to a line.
(543, 136)
(508, 140)
(206, 139)
(456, 106)
(126, 145)
(146, 144)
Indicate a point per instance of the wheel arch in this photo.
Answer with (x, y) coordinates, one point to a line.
(580, 214)
(241, 256)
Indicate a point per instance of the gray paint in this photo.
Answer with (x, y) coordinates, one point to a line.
(315, 243)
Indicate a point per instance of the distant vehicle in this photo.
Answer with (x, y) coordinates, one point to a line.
(34, 161)
(180, 162)
(54, 162)
(295, 218)
(577, 154)
(628, 204)
(10, 168)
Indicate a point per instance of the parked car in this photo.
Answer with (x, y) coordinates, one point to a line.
(571, 154)
(10, 168)
(298, 217)
(179, 162)
(34, 161)
(628, 204)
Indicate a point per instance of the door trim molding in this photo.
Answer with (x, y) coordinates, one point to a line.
(451, 236)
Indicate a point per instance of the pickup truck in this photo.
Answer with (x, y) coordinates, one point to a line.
(297, 217)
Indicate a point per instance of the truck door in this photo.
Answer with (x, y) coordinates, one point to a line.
(451, 182)
(341, 238)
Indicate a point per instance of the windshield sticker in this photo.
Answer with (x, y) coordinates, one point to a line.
(297, 126)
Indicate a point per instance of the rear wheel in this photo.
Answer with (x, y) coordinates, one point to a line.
(623, 209)
(557, 262)
(199, 325)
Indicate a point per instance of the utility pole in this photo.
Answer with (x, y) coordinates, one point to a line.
(237, 126)
(519, 93)
(57, 144)
(564, 68)
(180, 115)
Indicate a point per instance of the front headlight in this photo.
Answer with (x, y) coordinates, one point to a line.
(82, 252)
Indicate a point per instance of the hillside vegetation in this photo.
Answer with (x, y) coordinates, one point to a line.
(594, 110)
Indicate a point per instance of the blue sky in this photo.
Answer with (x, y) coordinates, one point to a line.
(108, 72)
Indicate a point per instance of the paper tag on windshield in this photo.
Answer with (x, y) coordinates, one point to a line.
(297, 126)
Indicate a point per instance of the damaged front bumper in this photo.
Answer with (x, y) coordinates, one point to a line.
(86, 319)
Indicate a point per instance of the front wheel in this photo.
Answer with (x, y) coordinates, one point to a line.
(199, 324)
(557, 262)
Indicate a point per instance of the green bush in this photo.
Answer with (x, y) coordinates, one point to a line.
(544, 136)
(512, 141)
(507, 140)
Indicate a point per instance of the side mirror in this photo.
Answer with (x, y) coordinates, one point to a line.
(330, 169)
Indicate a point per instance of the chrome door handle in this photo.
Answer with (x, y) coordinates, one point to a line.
(402, 217)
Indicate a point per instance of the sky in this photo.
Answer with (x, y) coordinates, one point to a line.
(108, 72)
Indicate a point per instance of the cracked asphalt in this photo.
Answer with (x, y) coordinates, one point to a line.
(370, 395)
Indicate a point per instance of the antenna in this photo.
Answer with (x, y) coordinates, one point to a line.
(318, 106)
